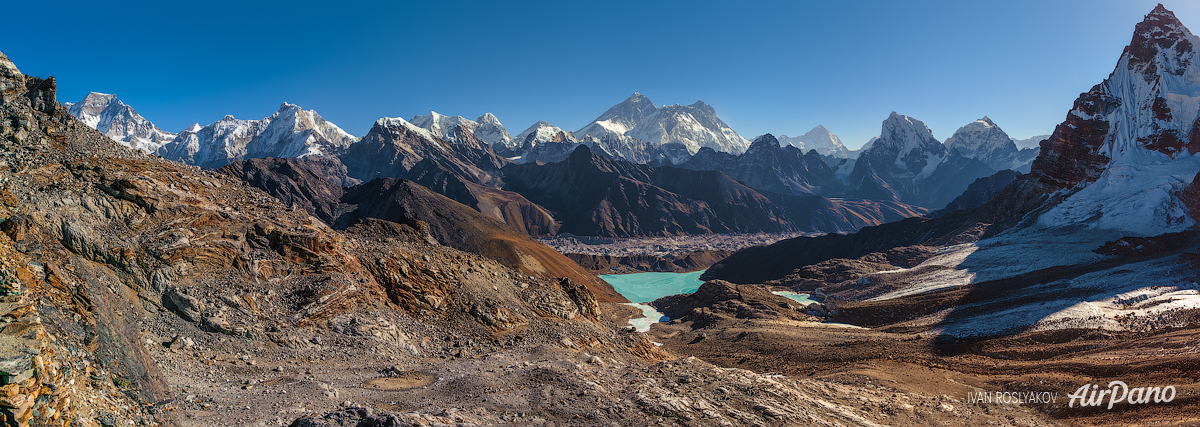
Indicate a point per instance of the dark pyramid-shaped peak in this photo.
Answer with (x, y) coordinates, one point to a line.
(765, 141)
(630, 111)
(1160, 30)
(583, 157)
(707, 109)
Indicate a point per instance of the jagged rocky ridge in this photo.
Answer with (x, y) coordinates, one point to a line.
(447, 155)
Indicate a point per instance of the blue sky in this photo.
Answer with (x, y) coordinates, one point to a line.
(778, 67)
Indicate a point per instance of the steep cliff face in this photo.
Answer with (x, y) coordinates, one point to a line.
(1122, 149)
(67, 350)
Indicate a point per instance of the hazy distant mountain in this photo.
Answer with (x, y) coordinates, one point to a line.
(819, 139)
(1031, 142)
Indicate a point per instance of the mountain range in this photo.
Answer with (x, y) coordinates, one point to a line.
(905, 172)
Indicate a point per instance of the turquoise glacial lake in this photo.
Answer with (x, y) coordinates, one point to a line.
(646, 287)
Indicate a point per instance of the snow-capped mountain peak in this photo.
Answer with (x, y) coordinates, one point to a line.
(442, 125)
(904, 133)
(399, 123)
(1126, 148)
(92, 106)
(637, 131)
(107, 114)
(492, 132)
(986, 142)
(487, 128)
(541, 133)
(619, 119)
(689, 128)
(907, 147)
(290, 132)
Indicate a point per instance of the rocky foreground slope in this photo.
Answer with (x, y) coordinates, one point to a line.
(143, 292)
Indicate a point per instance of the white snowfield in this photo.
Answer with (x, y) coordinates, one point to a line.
(1133, 296)
(1135, 196)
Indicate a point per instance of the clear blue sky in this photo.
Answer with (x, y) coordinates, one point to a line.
(778, 67)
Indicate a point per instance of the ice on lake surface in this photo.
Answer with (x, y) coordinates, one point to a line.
(798, 297)
(642, 324)
(647, 287)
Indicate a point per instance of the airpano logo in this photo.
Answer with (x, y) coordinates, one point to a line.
(1119, 392)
